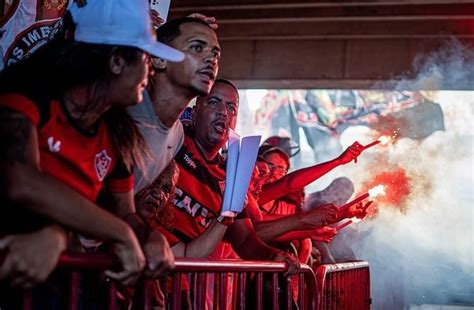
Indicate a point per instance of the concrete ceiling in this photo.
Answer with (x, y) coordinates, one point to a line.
(330, 44)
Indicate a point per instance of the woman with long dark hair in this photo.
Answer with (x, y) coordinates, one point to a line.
(65, 136)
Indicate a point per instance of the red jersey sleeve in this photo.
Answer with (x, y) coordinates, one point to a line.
(120, 179)
(21, 104)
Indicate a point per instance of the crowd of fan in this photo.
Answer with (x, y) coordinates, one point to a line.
(95, 158)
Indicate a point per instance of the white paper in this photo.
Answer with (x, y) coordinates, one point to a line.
(245, 167)
(231, 167)
(241, 157)
(162, 7)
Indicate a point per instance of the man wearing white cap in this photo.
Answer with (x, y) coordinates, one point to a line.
(65, 136)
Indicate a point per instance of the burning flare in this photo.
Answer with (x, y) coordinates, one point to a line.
(376, 191)
(384, 140)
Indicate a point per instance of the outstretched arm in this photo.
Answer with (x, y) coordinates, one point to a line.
(300, 178)
(248, 245)
(322, 234)
(202, 246)
(318, 217)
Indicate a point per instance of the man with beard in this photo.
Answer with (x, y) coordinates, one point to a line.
(199, 190)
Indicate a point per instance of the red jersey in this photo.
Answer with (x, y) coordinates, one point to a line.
(199, 192)
(80, 160)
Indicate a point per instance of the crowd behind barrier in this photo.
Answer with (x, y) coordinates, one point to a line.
(146, 231)
(331, 286)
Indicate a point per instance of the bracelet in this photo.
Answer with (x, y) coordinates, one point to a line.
(225, 220)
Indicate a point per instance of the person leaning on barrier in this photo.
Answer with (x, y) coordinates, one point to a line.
(170, 90)
(199, 188)
(64, 134)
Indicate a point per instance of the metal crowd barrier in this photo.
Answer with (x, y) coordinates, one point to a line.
(344, 286)
(308, 297)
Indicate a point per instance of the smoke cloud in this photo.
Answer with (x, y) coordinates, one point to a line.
(425, 254)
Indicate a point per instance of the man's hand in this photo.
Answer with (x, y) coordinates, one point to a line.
(211, 21)
(159, 257)
(358, 210)
(156, 20)
(319, 216)
(324, 234)
(130, 257)
(30, 258)
(351, 153)
(293, 263)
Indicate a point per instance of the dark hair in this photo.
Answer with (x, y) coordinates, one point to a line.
(164, 217)
(63, 63)
(170, 30)
(277, 150)
(228, 82)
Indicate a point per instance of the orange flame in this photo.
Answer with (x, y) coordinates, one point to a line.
(397, 188)
(384, 140)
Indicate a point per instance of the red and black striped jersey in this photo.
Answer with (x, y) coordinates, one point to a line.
(199, 191)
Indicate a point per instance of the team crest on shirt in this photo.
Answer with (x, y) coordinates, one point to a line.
(102, 163)
(222, 186)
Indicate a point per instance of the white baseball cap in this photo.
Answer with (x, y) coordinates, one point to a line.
(120, 22)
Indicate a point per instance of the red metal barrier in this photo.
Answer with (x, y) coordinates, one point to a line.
(344, 286)
(242, 271)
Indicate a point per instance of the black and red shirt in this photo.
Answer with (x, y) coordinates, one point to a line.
(199, 192)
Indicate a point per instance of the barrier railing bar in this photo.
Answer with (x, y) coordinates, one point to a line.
(74, 283)
(217, 288)
(176, 298)
(289, 293)
(224, 280)
(147, 295)
(112, 296)
(259, 291)
(203, 280)
(200, 266)
(235, 297)
(275, 291)
(241, 290)
(302, 292)
(27, 302)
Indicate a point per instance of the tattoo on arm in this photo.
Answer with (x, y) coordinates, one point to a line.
(15, 134)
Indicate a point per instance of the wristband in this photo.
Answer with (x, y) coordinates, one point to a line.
(225, 220)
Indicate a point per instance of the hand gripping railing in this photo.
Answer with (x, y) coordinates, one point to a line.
(308, 297)
(344, 286)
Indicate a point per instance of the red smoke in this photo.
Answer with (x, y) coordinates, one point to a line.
(397, 189)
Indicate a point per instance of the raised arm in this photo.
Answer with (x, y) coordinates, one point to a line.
(300, 178)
